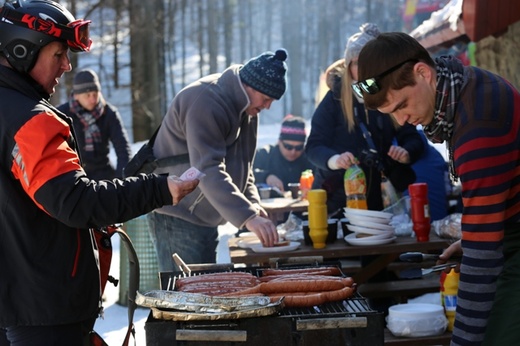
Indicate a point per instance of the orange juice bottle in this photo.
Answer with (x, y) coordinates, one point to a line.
(306, 180)
(355, 187)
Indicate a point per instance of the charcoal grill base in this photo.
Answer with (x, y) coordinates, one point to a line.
(262, 331)
(291, 326)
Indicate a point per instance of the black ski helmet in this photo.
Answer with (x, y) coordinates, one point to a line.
(28, 25)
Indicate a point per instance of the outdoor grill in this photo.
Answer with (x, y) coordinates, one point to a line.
(348, 322)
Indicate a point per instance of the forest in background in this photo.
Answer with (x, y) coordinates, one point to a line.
(146, 51)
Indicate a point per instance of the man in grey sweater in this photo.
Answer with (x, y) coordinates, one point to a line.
(215, 120)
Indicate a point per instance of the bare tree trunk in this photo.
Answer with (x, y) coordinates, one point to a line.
(118, 9)
(200, 36)
(183, 40)
(229, 9)
(145, 45)
(292, 38)
(212, 35)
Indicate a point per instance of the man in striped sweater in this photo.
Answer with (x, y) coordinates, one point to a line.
(477, 113)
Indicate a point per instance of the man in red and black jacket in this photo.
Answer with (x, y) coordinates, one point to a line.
(49, 281)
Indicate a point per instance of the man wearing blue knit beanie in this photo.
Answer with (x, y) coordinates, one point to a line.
(214, 121)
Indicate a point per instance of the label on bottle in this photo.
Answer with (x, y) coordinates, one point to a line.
(450, 302)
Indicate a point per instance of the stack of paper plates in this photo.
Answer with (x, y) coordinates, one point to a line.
(370, 227)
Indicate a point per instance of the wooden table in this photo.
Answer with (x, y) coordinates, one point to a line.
(277, 207)
(386, 253)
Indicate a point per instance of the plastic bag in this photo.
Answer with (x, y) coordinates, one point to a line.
(449, 227)
(401, 221)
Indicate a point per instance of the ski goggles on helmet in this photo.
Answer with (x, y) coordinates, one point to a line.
(370, 85)
(75, 34)
(78, 38)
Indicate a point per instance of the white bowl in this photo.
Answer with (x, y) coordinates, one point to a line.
(354, 218)
(370, 237)
(368, 213)
(416, 320)
(373, 225)
(352, 240)
(366, 230)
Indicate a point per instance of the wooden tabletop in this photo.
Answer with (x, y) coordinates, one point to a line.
(277, 207)
(387, 253)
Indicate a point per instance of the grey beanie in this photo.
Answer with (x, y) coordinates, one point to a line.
(85, 81)
(356, 42)
(266, 73)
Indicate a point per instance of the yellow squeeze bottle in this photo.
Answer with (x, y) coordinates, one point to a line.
(449, 288)
(318, 225)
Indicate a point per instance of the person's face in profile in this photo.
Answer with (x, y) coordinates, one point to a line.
(257, 101)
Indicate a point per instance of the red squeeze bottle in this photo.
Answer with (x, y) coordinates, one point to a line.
(420, 210)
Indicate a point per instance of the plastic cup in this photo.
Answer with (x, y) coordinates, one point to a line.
(295, 190)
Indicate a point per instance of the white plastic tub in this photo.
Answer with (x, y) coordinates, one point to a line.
(416, 320)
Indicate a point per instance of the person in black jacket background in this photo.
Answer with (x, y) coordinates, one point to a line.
(282, 163)
(97, 123)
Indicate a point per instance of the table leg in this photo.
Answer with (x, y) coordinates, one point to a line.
(378, 264)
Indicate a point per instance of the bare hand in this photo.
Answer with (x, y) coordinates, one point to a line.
(273, 180)
(346, 160)
(454, 249)
(264, 229)
(399, 154)
(180, 188)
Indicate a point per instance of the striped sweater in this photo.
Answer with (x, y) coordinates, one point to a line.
(486, 154)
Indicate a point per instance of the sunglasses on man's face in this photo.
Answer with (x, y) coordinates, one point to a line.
(370, 85)
(290, 147)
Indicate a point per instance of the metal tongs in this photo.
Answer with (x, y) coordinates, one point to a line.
(415, 273)
(417, 257)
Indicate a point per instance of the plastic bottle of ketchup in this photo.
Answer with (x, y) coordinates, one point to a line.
(420, 210)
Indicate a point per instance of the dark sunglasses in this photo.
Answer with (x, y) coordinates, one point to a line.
(290, 147)
(370, 85)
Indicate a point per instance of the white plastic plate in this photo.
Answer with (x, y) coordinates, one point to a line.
(261, 249)
(352, 240)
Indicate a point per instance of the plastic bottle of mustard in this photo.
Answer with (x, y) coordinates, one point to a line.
(318, 217)
(355, 187)
(449, 288)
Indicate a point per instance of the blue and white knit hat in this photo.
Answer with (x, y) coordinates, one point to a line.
(266, 73)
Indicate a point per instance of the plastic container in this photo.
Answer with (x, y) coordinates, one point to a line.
(306, 180)
(355, 187)
(449, 289)
(420, 210)
(416, 320)
(389, 195)
(318, 225)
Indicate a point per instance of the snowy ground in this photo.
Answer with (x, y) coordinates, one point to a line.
(113, 327)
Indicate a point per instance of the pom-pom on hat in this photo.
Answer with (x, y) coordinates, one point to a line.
(85, 81)
(266, 73)
(293, 129)
(356, 42)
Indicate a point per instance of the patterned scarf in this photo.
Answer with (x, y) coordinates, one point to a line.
(88, 120)
(450, 77)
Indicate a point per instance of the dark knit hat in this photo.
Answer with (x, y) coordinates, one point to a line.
(85, 81)
(266, 73)
(293, 129)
